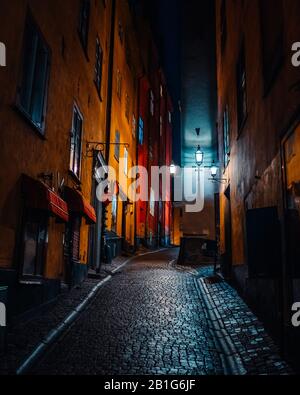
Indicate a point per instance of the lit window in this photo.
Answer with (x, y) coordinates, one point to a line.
(141, 131)
(170, 116)
(125, 161)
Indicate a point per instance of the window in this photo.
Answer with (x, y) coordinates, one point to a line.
(141, 131)
(170, 117)
(223, 25)
(84, 22)
(272, 40)
(160, 126)
(125, 161)
(32, 92)
(161, 91)
(152, 104)
(117, 145)
(35, 239)
(114, 213)
(226, 135)
(76, 142)
(127, 50)
(127, 107)
(241, 89)
(98, 66)
(121, 32)
(119, 84)
(133, 126)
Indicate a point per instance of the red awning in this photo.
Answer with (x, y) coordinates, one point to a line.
(79, 205)
(39, 196)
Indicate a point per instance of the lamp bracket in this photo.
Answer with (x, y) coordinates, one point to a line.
(92, 146)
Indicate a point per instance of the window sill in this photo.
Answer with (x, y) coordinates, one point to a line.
(31, 280)
(40, 132)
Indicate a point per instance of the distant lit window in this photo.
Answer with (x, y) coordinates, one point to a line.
(125, 161)
(141, 131)
(32, 92)
(98, 66)
(84, 19)
(117, 145)
(223, 25)
(241, 89)
(114, 213)
(161, 91)
(152, 105)
(119, 84)
(226, 134)
(127, 107)
(170, 116)
(76, 142)
(152, 202)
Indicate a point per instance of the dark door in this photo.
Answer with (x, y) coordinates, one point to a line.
(227, 258)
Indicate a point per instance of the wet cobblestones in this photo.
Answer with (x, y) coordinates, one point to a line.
(153, 318)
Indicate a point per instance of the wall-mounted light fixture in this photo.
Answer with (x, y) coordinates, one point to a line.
(172, 169)
(199, 156)
(214, 172)
(92, 146)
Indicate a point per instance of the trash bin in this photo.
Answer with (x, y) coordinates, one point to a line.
(3, 320)
(107, 254)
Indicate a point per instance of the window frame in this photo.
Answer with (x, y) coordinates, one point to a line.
(30, 23)
(241, 89)
(98, 77)
(226, 136)
(71, 166)
(84, 41)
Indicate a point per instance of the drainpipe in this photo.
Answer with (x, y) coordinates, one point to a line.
(110, 80)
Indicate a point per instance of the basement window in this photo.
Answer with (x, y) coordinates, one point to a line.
(33, 89)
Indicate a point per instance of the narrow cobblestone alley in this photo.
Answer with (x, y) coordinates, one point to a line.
(155, 318)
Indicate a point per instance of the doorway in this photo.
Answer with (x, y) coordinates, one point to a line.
(227, 258)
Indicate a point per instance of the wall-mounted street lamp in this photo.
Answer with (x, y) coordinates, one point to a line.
(92, 146)
(172, 169)
(199, 156)
(214, 172)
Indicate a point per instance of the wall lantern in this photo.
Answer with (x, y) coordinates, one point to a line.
(199, 155)
(172, 169)
(214, 170)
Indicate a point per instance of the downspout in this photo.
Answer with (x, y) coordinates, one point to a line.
(110, 81)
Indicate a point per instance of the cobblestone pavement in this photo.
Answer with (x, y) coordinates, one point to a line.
(28, 334)
(154, 319)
